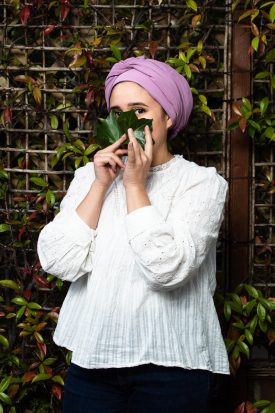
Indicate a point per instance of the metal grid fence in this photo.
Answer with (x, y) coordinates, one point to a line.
(30, 141)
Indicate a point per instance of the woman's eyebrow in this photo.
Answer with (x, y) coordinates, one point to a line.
(131, 104)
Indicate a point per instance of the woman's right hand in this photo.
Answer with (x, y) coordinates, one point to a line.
(108, 163)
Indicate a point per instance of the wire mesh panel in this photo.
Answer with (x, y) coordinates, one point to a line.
(53, 65)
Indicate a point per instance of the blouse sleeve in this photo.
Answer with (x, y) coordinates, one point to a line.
(170, 252)
(65, 245)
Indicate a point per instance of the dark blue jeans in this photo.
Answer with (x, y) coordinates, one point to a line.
(142, 389)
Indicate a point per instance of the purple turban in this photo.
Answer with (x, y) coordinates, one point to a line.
(170, 89)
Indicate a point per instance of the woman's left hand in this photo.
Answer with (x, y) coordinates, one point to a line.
(139, 161)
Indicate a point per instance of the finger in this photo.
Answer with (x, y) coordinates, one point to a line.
(136, 146)
(115, 145)
(148, 148)
(120, 152)
(112, 159)
(131, 153)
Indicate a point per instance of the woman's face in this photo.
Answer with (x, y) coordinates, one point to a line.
(129, 95)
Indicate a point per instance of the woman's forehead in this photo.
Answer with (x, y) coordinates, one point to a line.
(130, 92)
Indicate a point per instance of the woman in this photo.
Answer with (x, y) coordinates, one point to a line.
(137, 236)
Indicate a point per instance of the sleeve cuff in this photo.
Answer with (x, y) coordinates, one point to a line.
(141, 219)
(78, 230)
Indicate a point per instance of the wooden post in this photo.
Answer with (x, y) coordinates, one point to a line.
(240, 155)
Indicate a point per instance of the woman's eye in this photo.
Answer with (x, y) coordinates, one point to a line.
(139, 111)
(117, 113)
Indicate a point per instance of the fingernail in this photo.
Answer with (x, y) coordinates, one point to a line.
(130, 130)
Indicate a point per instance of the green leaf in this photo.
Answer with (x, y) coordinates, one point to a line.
(254, 124)
(270, 56)
(248, 336)
(54, 121)
(4, 341)
(39, 181)
(261, 312)
(187, 70)
(255, 43)
(4, 227)
(272, 13)
(253, 323)
(206, 110)
(192, 5)
(49, 361)
(3, 174)
(251, 290)
(50, 198)
(249, 306)
(264, 105)
(263, 326)
(227, 310)
(261, 403)
(5, 383)
(93, 147)
(262, 75)
(270, 133)
(9, 284)
(58, 379)
(34, 306)
(247, 104)
(244, 348)
(19, 301)
(1, 408)
(109, 130)
(20, 312)
(5, 398)
(116, 52)
(40, 377)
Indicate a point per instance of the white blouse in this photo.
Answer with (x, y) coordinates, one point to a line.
(141, 283)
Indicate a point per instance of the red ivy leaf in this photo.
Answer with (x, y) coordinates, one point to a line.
(242, 124)
(240, 408)
(49, 29)
(21, 232)
(250, 408)
(28, 376)
(153, 47)
(25, 14)
(7, 115)
(42, 348)
(89, 99)
(27, 294)
(41, 281)
(64, 12)
(89, 57)
(56, 391)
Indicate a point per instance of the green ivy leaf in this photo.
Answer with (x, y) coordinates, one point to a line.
(58, 379)
(40, 377)
(261, 312)
(261, 403)
(272, 13)
(244, 348)
(19, 301)
(39, 181)
(5, 398)
(264, 105)
(9, 284)
(192, 5)
(248, 336)
(4, 227)
(5, 383)
(4, 341)
(109, 130)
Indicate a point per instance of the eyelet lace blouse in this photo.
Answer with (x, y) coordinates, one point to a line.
(141, 283)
